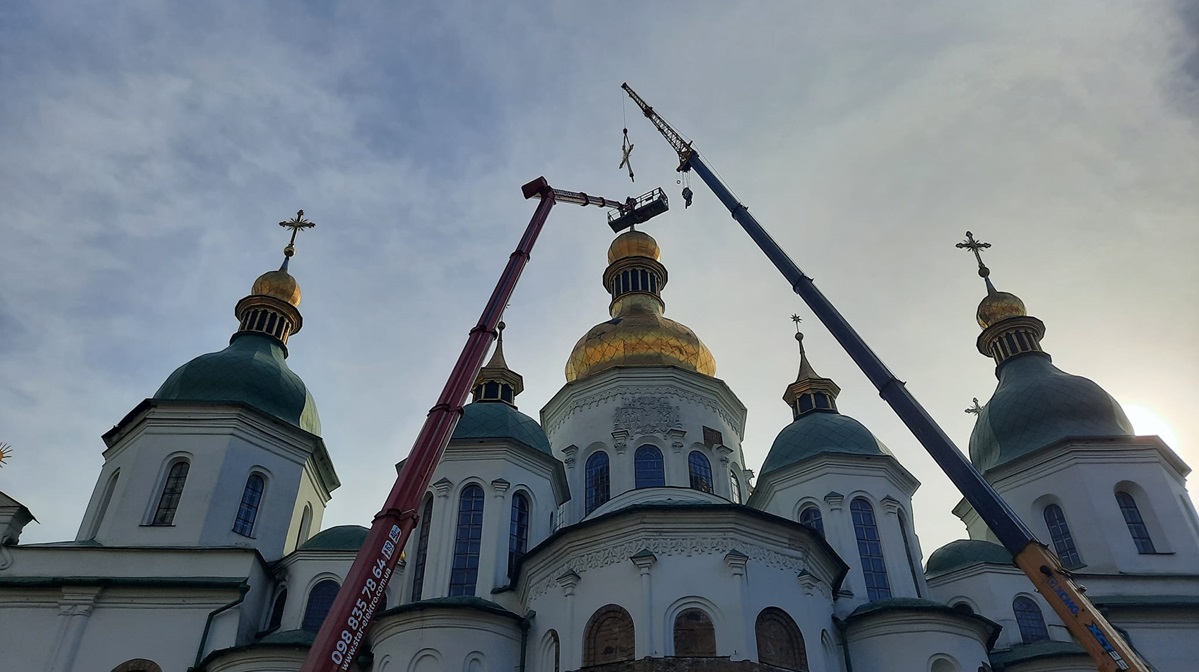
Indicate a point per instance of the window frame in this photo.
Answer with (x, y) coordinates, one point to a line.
(1060, 535)
(163, 514)
(308, 606)
(1138, 528)
(242, 506)
(420, 562)
(699, 473)
(818, 527)
(518, 530)
(592, 483)
(648, 457)
(464, 578)
(878, 583)
(1032, 626)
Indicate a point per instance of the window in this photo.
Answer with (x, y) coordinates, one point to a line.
(1029, 620)
(780, 643)
(870, 550)
(172, 490)
(1136, 524)
(609, 636)
(320, 600)
(694, 634)
(963, 608)
(700, 470)
(597, 480)
(553, 653)
(647, 463)
(810, 516)
(277, 611)
(465, 570)
(1063, 542)
(251, 498)
(907, 549)
(734, 486)
(137, 665)
(422, 550)
(305, 525)
(105, 499)
(518, 530)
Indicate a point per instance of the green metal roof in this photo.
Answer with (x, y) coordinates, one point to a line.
(821, 433)
(340, 538)
(966, 552)
(497, 420)
(289, 638)
(252, 371)
(1022, 653)
(1036, 405)
(456, 602)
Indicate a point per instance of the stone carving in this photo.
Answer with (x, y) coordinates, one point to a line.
(645, 415)
(661, 391)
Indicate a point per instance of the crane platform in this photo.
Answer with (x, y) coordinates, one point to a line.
(638, 210)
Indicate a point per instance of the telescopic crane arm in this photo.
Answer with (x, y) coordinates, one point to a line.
(336, 645)
(1082, 618)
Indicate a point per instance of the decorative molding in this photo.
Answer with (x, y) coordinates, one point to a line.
(567, 580)
(644, 559)
(500, 486)
(443, 487)
(834, 500)
(600, 397)
(812, 585)
(675, 436)
(620, 440)
(736, 561)
(724, 452)
(890, 505)
(571, 452)
(667, 546)
(645, 414)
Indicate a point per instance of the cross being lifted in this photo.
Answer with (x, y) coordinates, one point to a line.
(296, 224)
(974, 246)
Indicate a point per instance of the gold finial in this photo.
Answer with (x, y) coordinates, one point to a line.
(295, 224)
(974, 246)
(974, 409)
(5, 453)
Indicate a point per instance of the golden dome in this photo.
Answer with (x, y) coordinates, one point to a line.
(278, 284)
(998, 306)
(638, 335)
(633, 244)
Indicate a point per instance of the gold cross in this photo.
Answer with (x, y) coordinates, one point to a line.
(974, 246)
(974, 409)
(796, 319)
(296, 224)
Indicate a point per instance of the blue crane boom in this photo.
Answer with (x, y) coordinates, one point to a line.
(1082, 618)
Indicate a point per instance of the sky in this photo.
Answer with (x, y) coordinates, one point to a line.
(147, 151)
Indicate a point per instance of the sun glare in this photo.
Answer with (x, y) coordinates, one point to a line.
(1147, 422)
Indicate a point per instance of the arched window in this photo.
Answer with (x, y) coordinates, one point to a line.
(647, 465)
(553, 653)
(138, 665)
(597, 480)
(172, 490)
(251, 498)
(518, 530)
(1063, 541)
(277, 610)
(870, 550)
(105, 499)
(422, 550)
(780, 643)
(305, 525)
(907, 549)
(1136, 524)
(963, 608)
(465, 571)
(734, 486)
(810, 516)
(1029, 620)
(694, 634)
(700, 470)
(609, 636)
(320, 600)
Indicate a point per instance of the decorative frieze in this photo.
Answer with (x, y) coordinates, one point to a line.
(644, 414)
(601, 397)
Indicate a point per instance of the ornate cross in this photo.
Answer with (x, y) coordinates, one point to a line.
(626, 148)
(5, 453)
(296, 224)
(974, 246)
(974, 409)
(796, 319)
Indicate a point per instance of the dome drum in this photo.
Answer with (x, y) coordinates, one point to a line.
(1010, 337)
(262, 314)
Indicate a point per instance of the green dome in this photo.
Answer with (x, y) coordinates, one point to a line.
(497, 420)
(251, 371)
(1036, 405)
(821, 433)
(966, 552)
(340, 538)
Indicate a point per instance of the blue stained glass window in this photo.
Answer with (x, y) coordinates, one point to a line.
(598, 481)
(465, 571)
(647, 463)
(870, 550)
(518, 530)
(320, 600)
(251, 498)
(1030, 620)
(1136, 524)
(700, 471)
(810, 516)
(422, 551)
(1063, 541)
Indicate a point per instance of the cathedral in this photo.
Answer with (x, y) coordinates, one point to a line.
(621, 530)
